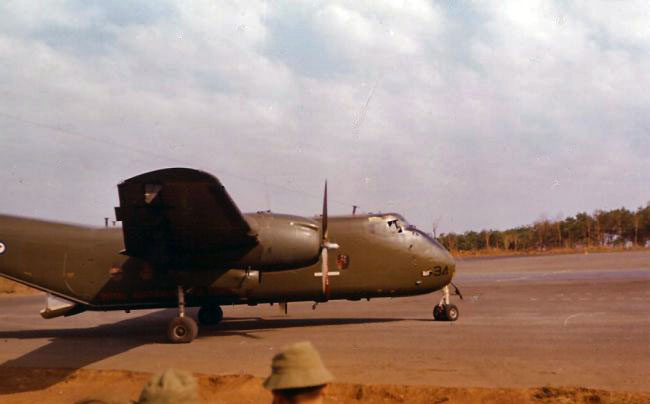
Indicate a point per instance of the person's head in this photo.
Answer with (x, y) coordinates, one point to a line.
(101, 400)
(170, 386)
(298, 375)
(303, 395)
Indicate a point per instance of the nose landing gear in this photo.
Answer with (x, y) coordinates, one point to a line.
(445, 311)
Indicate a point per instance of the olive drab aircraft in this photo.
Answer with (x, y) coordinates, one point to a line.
(184, 243)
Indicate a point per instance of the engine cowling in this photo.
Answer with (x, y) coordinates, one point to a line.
(284, 242)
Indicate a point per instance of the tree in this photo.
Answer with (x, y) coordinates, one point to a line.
(542, 227)
(583, 229)
(636, 221)
(436, 223)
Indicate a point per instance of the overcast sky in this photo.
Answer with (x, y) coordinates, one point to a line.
(476, 114)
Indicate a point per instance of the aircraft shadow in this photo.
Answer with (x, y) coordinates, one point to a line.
(71, 349)
(239, 326)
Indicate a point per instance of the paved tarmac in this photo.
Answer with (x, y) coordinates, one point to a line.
(569, 320)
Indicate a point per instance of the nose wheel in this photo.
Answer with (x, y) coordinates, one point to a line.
(182, 329)
(445, 311)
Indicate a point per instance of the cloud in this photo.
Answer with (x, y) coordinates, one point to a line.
(487, 114)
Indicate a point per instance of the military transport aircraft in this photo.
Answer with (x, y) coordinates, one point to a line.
(184, 242)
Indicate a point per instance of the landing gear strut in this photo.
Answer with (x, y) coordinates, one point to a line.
(210, 314)
(445, 311)
(182, 329)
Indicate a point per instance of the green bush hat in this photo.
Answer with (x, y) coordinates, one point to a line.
(297, 366)
(102, 400)
(170, 386)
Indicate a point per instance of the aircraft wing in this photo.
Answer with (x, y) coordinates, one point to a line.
(179, 212)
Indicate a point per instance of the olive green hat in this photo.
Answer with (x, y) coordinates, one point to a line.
(101, 400)
(170, 386)
(297, 366)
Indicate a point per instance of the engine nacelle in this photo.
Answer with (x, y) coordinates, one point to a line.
(284, 242)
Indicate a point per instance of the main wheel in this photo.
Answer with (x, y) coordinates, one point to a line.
(210, 315)
(451, 312)
(182, 330)
(438, 313)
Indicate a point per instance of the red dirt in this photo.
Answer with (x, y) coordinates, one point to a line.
(17, 386)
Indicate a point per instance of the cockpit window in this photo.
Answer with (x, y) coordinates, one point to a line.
(395, 225)
(391, 223)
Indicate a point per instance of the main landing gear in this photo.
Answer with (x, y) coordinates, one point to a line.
(445, 311)
(210, 314)
(182, 329)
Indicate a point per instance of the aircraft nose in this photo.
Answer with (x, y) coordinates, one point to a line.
(443, 259)
(450, 263)
(438, 261)
(447, 262)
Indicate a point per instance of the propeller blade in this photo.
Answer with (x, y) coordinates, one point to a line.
(324, 224)
(324, 247)
(325, 274)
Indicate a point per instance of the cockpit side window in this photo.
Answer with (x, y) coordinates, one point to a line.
(389, 224)
(395, 225)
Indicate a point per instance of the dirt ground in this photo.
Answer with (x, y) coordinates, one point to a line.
(125, 386)
(10, 287)
(581, 321)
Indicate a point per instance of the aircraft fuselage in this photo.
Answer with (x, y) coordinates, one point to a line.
(378, 256)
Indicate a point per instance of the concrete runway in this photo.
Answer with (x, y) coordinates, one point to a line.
(570, 320)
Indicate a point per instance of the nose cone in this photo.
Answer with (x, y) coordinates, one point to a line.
(443, 259)
(439, 259)
(450, 263)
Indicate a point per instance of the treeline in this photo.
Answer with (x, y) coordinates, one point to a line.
(618, 227)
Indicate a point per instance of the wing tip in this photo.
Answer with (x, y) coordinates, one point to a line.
(172, 174)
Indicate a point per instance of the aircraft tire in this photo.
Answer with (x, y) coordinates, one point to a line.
(451, 312)
(438, 313)
(182, 330)
(210, 315)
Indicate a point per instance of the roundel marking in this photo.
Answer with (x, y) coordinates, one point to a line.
(342, 261)
(3, 248)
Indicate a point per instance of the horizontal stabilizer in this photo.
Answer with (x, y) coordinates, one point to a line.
(56, 307)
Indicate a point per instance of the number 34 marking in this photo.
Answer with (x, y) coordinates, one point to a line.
(437, 271)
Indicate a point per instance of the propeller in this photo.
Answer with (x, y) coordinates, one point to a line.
(324, 247)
